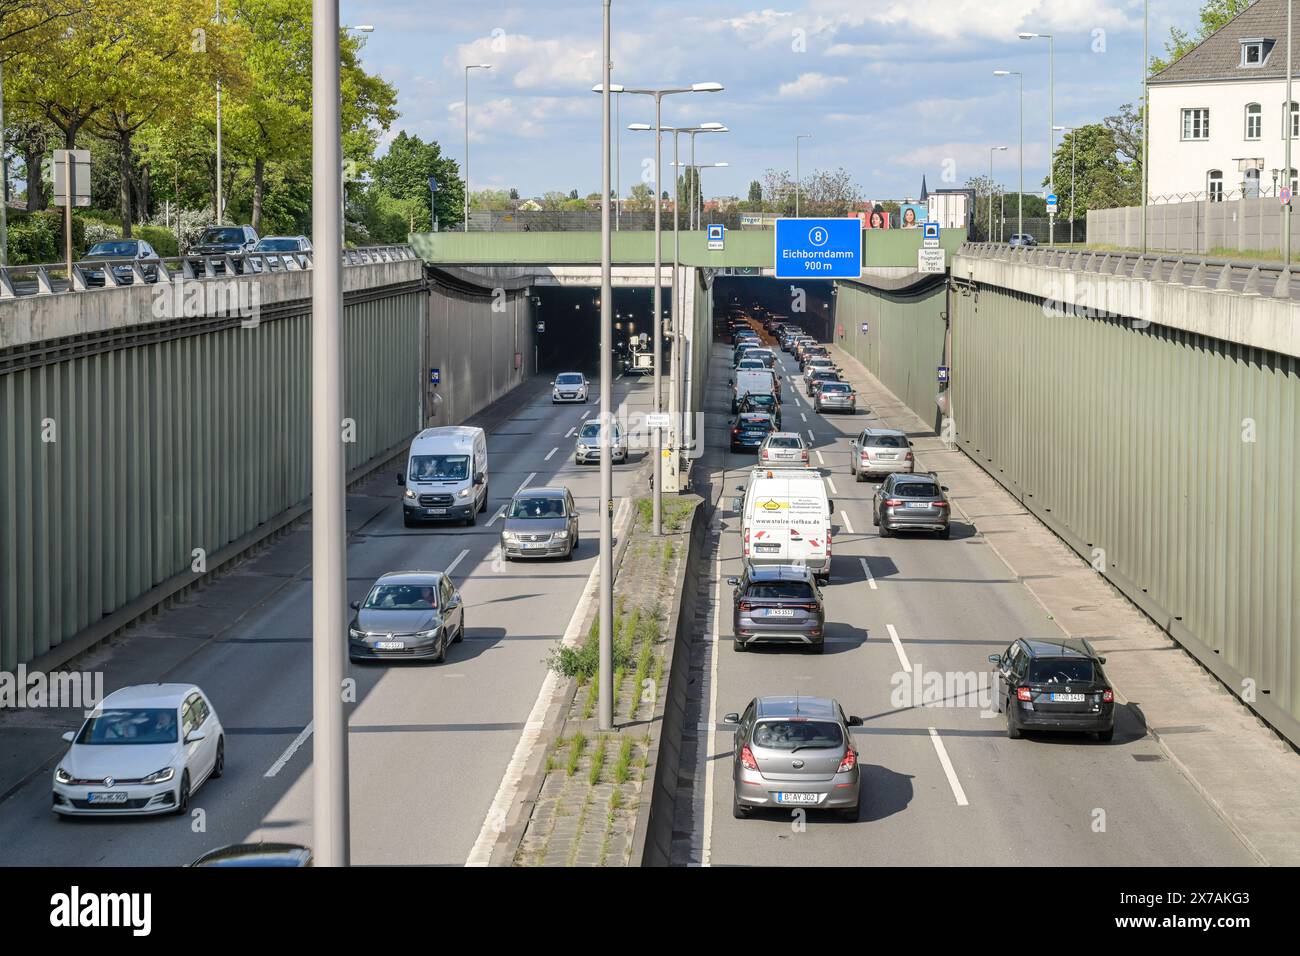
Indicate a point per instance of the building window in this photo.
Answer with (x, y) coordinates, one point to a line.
(1252, 52)
(1196, 124)
(1214, 185)
(1250, 184)
(1254, 120)
(1295, 120)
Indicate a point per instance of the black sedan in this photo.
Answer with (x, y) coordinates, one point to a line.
(118, 255)
(1054, 685)
(749, 430)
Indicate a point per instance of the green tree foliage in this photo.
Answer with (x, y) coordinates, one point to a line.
(1103, 176)
(1214, 14)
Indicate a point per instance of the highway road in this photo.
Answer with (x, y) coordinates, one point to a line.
(429, 744)
(941, 785)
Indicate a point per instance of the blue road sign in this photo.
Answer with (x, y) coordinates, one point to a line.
(1051, 203)
(717, 237)
(931, 230)
(943, 374)
(435, 376)
(818, 248)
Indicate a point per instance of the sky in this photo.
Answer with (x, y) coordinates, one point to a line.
(889, 89)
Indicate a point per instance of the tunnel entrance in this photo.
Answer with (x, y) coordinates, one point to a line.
(570, 339)
(780, 297)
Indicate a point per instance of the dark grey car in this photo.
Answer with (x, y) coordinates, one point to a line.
(911, 503)
(408, 615)
(777, 604)
(118, 255)
(540, 523)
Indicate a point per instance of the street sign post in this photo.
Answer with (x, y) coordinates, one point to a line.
(1051, 204)
(435, 376)
(943, 374)
(71, 188)
(818, 249)
(930, 235)
(931, 261)
(717, 237)
(1285, 196)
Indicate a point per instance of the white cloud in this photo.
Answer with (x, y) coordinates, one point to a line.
(810, 85)
(533, 64)
(968, 19)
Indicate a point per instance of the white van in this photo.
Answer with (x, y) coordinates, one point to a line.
(757, 381)
(786, 519)
(446, 476)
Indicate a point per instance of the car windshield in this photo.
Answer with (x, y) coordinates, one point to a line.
(277, 245)
(117, 250)
(149, 725)
(592, 430)
(1061, 670)
(886, 441)
(537, 507)
(402, 597)
(570, 378)
(797, 734)
(830, 387)
(760, 399)
(916, 489)
(780, 589)
(223, 235)
(785, 441)
(439, 467)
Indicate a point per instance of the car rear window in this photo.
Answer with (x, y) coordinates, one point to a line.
(780, 589)
(886, 441)
(835, 387)
(797, 734)
(1060, 670)
(786, 441)
(916, 489)
(755, 421)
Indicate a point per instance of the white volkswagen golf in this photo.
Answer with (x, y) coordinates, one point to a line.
(144, 750)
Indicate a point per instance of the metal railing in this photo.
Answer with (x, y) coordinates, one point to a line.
(1219, 275)
(88, 275)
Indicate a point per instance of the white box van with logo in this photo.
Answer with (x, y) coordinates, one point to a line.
(446, 476)
(786, 519)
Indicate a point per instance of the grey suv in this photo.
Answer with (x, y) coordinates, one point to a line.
(792, 752)
(777, 604)
(911, 503)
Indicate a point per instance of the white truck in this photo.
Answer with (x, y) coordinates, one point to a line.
(786, 519)
(753, 381)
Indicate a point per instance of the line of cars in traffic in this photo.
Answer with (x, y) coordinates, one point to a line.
(123, 256)
(793, 751)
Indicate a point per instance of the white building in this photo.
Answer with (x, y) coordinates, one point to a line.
(1217, 114)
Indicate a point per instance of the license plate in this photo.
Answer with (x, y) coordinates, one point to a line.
(534, 544)
(435, 511)
(780, 612)
(796, 798)
(1067, 698)
(887, 457)
(390, 645)
(918, 504)
(767, 548)
(107, 798)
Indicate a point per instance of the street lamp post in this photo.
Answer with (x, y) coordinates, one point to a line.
(1290, 178)
(605, 683)
(329, 550)
(472, 66)
(1074, 151)
(1051, 125)
(992, 150)
(1020, 196)
(657, 508)
(697, 167)
(796, 170)
(1146, 108)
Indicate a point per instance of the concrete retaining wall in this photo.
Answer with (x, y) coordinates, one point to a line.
(1196, 227)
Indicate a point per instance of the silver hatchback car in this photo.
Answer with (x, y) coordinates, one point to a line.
(793, 752)
(540, 523)
(587, 447)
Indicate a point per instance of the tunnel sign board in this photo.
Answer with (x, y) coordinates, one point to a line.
(717, 237)
(818, 249)
(435, 376)
(931, 261)
(943, 374)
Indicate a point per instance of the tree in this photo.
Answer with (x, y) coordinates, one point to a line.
(830, 193)
(1102, 176)
(641, 198)
(756, 191)
(1214, 14)
(403, 173)
(984, 188)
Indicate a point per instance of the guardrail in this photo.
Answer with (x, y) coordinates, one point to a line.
(88, 275)
(1220, 275)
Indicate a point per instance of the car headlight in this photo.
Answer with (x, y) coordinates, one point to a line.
(431, 632)
(508, 536)
(62, 776)
(410, 494)
(559, 535)
(464, 493)
(355, 634)
(160, 776)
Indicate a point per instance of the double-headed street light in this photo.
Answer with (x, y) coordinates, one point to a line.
(697, 221)
(992, 150)
(1020, 196)
(472, 66)
(658, 95)
(796, 170)
(1074, 149)
(1051, 127)
(697, 203)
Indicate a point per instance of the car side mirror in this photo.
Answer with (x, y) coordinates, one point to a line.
(830, 504)
(401, 479)
(478, 478)
(1101, 660)
(736, 504)
(70, 736)
(355, 605)
(734, 582)
(195, 737)
(731, 719)
(855, 721)
(943, 487)
(995, 659)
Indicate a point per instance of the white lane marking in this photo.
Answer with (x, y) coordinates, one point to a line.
(847, 523)
(292, 749)
(706, 847)
(550, 453)
(898, 646)
(569, 433)
(508, 791)
(871, 578)
(951, 774)
(811, 436)
(820, 459)
(831, 485)
(531, 476)
(804, 417)
(497, 517)
(456, 563)
(584, 415)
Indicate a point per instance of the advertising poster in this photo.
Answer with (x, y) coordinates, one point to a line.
(913, 214)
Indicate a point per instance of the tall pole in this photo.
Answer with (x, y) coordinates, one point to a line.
(329, 555)
(695, 190)
(1020, 197)
(4, 180)
(220, 203)
(618, 124)
(605, 689)
(1074, 153)
(1146, 110)
(1290, 118)
(674, 349)
(657, 480)
(1051, 136)
(466, 223)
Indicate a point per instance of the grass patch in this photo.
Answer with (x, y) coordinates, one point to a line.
(582, 662)
(623, 769)
(615, 800)
(674, 512)
(597, 761)
(576, 746)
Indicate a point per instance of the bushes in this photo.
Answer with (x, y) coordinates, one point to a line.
(162, 240)
(97, 231)
(38, 237)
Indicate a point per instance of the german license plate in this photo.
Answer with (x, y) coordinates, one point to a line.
(887, 457)
(796, 798)
(780, 612)
(1067, 698)
(390, 645)
(918, 504)
(435, 511)
(107, 798)
(533, 545)
(767, 548)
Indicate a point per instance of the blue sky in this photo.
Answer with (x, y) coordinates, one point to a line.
(890, 89)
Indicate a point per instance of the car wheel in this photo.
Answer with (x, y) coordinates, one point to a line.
(1106, 736)
(875, 519)
(739, 645)
(884, 530)
(442, 648)
(818, 648)
(460, 632)
(219, 767)
(183, 796)
(859, 476)
(738, 811)
(946, 533)
(568, 554)
(1013, 732)
(406, 520)
(472, 519)
(851, 814)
